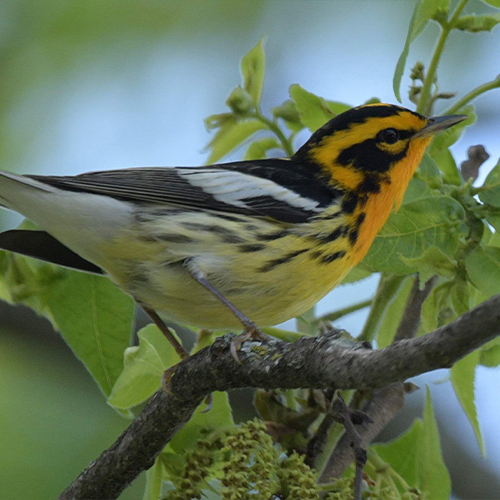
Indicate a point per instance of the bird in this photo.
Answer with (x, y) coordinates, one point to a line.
(242, 244)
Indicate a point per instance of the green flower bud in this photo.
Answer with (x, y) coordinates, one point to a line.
(240, 101)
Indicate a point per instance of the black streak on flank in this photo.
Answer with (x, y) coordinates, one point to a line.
(334, 235)
(174, 238)
(256, 247)
(227, 235)
(209, 228)
(315, 255)
(332, 216)
(332, 257)
(272, 264)
(272, 236)
(232, 238)
(226, 217)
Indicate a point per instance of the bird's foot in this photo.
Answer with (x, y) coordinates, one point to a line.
(251, 332)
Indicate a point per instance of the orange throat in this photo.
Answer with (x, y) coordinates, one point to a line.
(379, 205)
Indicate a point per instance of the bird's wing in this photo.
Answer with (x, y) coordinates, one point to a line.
(278, 189)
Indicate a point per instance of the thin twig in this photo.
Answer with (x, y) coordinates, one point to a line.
(346, 417)
(335, 315)
(317, 443)
(381, 408)
(485, 87)
(410, 322)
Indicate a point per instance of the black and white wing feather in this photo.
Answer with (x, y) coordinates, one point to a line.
(278, 189)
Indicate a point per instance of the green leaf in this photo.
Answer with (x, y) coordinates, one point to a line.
(434, 478)
(435, 221)
(306, 323)
(24, 280)
(494, 240)
(153, 481)
(337, 107)
(429, 172)
(95, 318)
(491, 188)
(357, 273)
(253, 69)
(393, 314)
(143, 368)
(219, 417)
(437, 309)
(402, 453)
(483, 269)
(460, 295)
(204, 338)
(448, 137)
(493, 3)
(475, 23)
(314, 111)
(490, 354)
(417, 189)
(217, 121)
(230, 136)
(259, 148)
(373, 100)
(416, 457)
(487, 233)
(463, 376)
(433, 261)
(446, 163)
(494, 220)
(288, 112)
(475, 296)
(424, 11)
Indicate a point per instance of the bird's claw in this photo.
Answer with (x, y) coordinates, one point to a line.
(251, 332)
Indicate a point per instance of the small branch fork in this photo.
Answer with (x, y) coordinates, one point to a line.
(311, 362)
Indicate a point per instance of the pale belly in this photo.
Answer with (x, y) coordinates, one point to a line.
(269, 284)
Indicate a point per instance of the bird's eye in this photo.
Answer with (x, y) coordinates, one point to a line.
(389, 135)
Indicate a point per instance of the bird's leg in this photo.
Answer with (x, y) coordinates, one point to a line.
(250, 329)
(183, 354)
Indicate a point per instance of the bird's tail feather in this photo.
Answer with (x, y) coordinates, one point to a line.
(82, 222)
(43, 246)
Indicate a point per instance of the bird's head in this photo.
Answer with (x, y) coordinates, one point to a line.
(373, 145)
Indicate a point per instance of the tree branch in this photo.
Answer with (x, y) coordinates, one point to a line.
(312, 362)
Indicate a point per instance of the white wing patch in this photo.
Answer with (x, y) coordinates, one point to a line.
(234, 188)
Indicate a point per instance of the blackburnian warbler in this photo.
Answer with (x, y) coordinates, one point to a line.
(250, 242)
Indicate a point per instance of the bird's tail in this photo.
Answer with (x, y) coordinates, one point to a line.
(16, 190)
(83, 222)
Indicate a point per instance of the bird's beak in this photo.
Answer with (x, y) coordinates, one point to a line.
(438, 123)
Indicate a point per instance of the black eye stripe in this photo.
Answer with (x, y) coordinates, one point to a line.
(369, 157)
